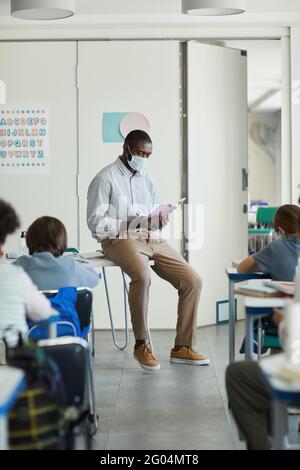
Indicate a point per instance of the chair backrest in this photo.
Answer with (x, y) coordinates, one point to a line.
(72, 357)
(265, 216)
(83, 305)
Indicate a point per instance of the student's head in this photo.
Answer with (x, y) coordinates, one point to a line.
(47, 234)
(137, 143)
(287, 220)
(9, 222)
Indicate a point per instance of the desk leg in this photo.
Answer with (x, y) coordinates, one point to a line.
(249, 338)
(279, 420)
(3, 433)
(259, 338)
(113, 331)
(231, 322)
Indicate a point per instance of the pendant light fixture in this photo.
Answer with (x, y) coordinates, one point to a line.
(42, 9)
(213, 7)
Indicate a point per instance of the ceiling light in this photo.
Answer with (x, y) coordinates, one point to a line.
(42, 9)
(213, 7)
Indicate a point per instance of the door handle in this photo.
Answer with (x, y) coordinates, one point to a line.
(245, 179)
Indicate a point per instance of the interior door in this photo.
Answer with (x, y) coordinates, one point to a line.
(217, 138)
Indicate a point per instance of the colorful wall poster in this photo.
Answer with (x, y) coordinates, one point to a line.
(116, 126)
(24, 139)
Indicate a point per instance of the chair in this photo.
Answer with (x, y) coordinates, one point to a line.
(262, 234)
(79, 386)
(84, 309)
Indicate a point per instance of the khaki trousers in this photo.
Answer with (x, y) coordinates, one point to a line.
(133, 256)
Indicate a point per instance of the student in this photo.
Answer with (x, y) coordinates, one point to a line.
(251, 400)
(280, 258)
(18, 295)
(46, 239)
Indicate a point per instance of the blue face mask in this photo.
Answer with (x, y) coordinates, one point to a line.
(137, 163)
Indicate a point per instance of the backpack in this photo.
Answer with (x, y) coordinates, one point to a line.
(38, 419)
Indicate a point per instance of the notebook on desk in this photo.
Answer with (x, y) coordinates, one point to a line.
(92, 255)
(287, 288)
(260, 290)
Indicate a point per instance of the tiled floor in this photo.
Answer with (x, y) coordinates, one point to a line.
(179, 407)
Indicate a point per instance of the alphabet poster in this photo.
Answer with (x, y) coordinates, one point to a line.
(24, 139)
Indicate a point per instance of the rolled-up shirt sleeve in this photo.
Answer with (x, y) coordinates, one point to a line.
(100, 224)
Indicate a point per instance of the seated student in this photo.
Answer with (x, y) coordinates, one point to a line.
(18, 295)
(46, 239)
(251, 401)
(280, 258)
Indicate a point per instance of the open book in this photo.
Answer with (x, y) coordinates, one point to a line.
(290, 372)
(258, 290)
(287, 288)
(165, 209)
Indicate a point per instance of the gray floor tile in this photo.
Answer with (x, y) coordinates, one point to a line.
(180, 407)
(169, 441)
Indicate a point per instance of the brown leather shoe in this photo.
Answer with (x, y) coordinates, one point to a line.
(145, 357)
(187, 355)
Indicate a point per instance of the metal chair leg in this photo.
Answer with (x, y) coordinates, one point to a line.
(113, 331)
(93, 334)
(93, 418)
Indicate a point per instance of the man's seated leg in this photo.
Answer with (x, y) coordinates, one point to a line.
(133, 258)
(172, 267)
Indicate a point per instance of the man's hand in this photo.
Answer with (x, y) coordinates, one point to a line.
(150, 223)
(157, 222)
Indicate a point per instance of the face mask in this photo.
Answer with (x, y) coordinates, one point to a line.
(137, 163)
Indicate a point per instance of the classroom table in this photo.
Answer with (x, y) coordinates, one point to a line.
(99, 261)
(12, 382)
(283, 393)
(255, 308)
(233, 278)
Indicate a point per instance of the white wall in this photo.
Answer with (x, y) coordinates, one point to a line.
(295, 58)
(122, 77)
(44, 73)
(264, 156)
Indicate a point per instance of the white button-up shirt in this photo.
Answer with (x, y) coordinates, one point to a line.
(116, 195)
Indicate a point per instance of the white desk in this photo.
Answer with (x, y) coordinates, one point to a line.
(99, 261)
(12, 382)
(284, 393)
(233, 278)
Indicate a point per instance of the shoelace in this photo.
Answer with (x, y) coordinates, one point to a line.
(148, 352)
(192, 351)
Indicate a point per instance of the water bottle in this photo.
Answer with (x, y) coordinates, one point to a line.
(23, 249)
(297, 282)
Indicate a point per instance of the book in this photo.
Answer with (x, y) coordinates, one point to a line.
(289, 372)
(260, 290)
(287, 288)
(165, 209)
